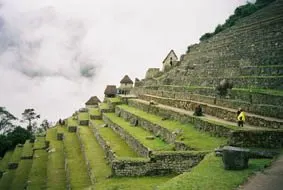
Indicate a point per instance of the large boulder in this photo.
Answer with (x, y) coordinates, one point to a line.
(235, 158)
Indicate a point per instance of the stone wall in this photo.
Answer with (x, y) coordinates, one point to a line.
(263, 139)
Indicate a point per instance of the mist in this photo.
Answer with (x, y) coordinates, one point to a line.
(54, 55)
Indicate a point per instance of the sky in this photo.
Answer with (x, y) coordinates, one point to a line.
(56, 54)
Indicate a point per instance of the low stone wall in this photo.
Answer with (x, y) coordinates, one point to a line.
(72, 129)
(95, 117)
(13, 165)
(130, 140)
(224, 113)
(160, 163)
(262, 139)
(60, 136)
(84, 122)
(198, 122)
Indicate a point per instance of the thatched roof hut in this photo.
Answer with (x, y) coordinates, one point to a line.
(93, 101)
(126, 80)
(110, 91)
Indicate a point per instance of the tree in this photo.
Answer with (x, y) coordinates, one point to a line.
(30, 115)
(6, 119)
(45, 125)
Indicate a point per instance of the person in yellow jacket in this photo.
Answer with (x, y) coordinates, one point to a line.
(241, 118)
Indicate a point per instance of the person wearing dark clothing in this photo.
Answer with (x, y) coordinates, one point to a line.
(198, 111)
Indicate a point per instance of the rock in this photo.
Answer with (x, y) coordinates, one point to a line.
(12, 165)
(235, 158)
(60, 136)
(150, 138)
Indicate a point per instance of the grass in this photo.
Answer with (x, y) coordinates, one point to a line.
(21, 175)
(95, 154)
(191, 136)
(7, 179)
(94, 111)
(27, 150)
(79, 178)
(114, 100)
(39, 143)
(4, 162)
(117, 144)
(72, 121)
(140, 134)
(16, 157)
(210, 174)
(38, 173)
(261, 91)
(56, 176)
(83, 116)
(104, 106)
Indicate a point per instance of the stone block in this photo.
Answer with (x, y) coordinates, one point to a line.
(60, 136)
(235, 158)
(12, 165)
(150, 138)
(72, 129)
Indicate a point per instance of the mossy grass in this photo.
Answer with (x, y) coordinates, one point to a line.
(261, 91)
(117, 144)
(190, 136)
(79, 178)
(104, 106)
(38, 172)
(7, 179)
(72, 121)
(27, 150)
(5, 160)
(140, 134)
(114, 100)
(39, 143)
(16, 157)
(56, 176)
(94, 111)
(97, 123)
(21, 175)
(95, 154)
(83, 116)
(210, 174)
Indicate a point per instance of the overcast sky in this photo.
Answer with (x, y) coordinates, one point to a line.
(55, 54)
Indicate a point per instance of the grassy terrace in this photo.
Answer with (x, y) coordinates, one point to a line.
(56, 176)
(7, 179)
(21, 176)
(210, 174)
(191, 136)
(79, 178)
(16, 157)
(4, 162)
(117, 144)
(95, 154)
(114, 100)
(72, 121)
(140, 134)
(39, 143)
(93, 111)
(38, 172)
(27, 150)
(83, 116)
(104, 106)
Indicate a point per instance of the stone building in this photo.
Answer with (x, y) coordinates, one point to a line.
(126, 84)
(92, 102)
(170, 61)
(110, 91)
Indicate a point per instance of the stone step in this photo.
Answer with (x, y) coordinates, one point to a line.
(77, 170)
(56, 174)
(224, 115)
(141, 140)
(38, 172)
(83, 118)
(184, 135)
(95, 155)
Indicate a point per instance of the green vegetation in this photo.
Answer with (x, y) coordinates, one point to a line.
(239, 13)
(261, 91)
(79, 178)
(56, 176)
(27, 150)
(114, 100)
(93, 111)
(39, 143)
(72, 121)
(16, 157)
(140, 134)
(95, 154)
(117, 144)
(210, 174)
(21, 175)
(83, 116)
(38, 172)
(104, 106)
(4, 162)
(7, 179)
(190, 136)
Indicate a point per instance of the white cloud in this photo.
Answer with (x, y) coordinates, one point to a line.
(55, 54)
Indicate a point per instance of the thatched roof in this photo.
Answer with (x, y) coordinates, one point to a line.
(93, 101)
(110, 90)
(126, 80)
